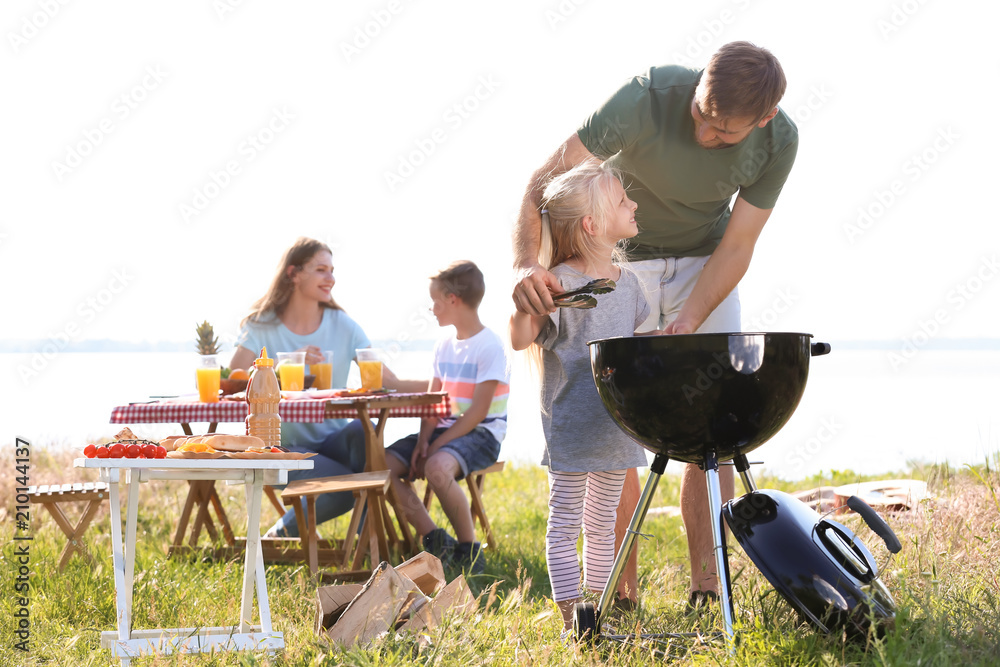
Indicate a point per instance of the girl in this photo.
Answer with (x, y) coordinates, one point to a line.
(587, 214)
(299, 313)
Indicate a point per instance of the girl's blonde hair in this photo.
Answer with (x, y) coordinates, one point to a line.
(567, 199)
(274, 302)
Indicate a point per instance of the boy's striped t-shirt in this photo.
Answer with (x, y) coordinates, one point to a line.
(462, 364)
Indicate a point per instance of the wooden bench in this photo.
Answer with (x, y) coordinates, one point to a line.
(51, 497)
(475, 480)
(370, 490)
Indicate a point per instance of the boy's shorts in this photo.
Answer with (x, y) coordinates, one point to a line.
(475, 450)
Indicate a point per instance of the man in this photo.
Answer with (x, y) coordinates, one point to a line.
(687, 140)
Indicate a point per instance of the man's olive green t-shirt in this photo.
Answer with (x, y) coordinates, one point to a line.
(683, 190)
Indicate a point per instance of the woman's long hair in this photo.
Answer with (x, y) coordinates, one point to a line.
(274, 302)
(567, 199)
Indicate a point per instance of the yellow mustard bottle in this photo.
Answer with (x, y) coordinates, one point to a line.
(263, 394)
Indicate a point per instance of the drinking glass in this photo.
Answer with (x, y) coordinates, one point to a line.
(323, 371)
(209, 374)
(370, 364)
(292, 370)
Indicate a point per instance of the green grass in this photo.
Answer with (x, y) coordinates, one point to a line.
(946, 582)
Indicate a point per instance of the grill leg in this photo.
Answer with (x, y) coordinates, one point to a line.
(645, 500)
(719, 540)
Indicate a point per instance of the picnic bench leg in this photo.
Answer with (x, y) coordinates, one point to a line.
(75, 543)
(360, 499)
(378, 546)
(363, 539)
(275, 503)
(312, 556)
(475, 484)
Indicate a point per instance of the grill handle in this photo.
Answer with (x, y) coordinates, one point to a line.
(818, 349)
(876, 523)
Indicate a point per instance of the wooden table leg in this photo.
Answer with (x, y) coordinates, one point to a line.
(182, 523)
(375, 460)
(312, 556)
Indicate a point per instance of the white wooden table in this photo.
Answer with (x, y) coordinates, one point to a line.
(126, 643)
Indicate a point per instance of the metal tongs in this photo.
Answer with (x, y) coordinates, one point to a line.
(581, 297)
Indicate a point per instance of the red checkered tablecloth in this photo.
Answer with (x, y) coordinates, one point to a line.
(298, 410)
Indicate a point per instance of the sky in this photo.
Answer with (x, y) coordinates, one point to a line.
(158, 158)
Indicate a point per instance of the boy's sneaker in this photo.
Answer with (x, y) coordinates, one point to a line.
(439, 543)
(469, 557)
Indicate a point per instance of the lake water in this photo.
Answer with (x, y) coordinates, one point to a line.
(858, 412)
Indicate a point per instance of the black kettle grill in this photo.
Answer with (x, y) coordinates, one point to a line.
(711, 398)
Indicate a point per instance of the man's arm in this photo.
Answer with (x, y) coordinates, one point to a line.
(725, 268)
(534, 286)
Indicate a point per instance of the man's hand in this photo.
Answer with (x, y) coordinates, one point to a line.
(678, 327)
(533, 291)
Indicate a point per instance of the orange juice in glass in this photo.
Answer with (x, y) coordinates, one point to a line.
(292, 370)
(370, 365)
(323, 371)
(209, 374)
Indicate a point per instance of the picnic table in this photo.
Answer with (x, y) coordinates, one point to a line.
(299, 407)
(126, 643)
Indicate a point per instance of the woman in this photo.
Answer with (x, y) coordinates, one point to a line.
(298, 313)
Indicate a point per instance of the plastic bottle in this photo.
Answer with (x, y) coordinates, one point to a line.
(263, 394)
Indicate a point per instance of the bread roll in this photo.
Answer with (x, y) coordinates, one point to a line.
(170, 442)
(233, 443)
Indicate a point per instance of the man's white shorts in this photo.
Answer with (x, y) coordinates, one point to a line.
(668, 283)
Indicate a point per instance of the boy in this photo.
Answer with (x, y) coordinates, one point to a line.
(472, 368)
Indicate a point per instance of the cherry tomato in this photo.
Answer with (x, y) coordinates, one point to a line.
(90, 451)
(149, 451)
(102, 453)
(161, 452)
(133, 451)
(117, 451)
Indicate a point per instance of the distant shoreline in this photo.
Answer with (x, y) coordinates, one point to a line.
(21, 346)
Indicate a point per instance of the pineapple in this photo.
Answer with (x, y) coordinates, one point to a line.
(206, 342)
